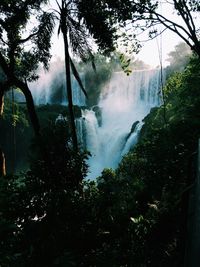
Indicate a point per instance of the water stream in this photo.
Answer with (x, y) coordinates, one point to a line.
(110, 129)
(123, 103)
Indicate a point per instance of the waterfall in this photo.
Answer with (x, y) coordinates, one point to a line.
(51, 89)
(111, 129)
(78, 95)
(123, 103)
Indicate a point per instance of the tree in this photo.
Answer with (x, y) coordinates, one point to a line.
(69, 26)
(2, 157)
(18, 63)
(147, 15)
(77, 24)
(21, 49)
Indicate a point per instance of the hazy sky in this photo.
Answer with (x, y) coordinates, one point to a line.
(149, 53)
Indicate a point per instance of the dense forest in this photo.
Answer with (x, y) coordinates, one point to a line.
(136, 215)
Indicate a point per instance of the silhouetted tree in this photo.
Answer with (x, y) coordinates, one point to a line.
(146, 15)
(21, 49)
(77, 24)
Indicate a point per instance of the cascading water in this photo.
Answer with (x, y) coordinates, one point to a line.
(110, 129)
(123, 101)
(51, 89)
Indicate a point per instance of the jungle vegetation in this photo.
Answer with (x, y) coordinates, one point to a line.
(133, 216)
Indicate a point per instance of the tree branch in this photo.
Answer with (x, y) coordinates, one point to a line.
(30, 104)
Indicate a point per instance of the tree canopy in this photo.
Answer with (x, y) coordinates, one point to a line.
(23, 47)
(181, 17)
(135, 215)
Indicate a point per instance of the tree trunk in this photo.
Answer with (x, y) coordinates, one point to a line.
(2, 164)
(1, 102)
(13, 81)
(196, 48)
(31, 110)
(2, 157)
(30, 104)
(69, 89)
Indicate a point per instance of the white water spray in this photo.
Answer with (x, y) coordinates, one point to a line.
(50, 88)
(123, 101)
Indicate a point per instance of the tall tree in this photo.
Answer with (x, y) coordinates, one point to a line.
(2, 157)
(18, 62)
(78, 25)
(22, 48)
(68, 25)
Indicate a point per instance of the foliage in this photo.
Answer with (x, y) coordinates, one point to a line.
(42, 200)
(14, 22)
(23, 47)
(163, 163)
(49, 113)
(147, 16)
(15, 135)
(133, 216)
(98, 20)
(94, 81)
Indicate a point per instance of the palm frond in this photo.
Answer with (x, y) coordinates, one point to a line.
(59, 29)
(76, 75)
(58, 4)
(79, 39)
(42, 39)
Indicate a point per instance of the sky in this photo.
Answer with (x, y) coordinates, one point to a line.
(149, 52)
